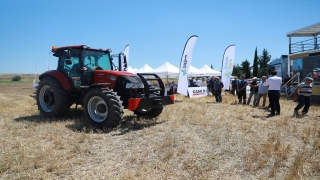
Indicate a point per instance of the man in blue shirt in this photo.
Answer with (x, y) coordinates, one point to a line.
(173, 88)
(242, 90)
(218, 85)
(262, 92)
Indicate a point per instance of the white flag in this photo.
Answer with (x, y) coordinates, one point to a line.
(184, 65)
(227, 65)
(125, 63)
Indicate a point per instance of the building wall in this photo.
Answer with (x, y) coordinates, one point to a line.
(305, 66)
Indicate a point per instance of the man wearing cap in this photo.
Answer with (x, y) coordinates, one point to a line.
(242, 90)
(253, 91)
(218, 85)
(305, 90)
(274, 85)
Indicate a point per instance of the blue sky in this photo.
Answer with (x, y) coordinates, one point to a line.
(156, 30)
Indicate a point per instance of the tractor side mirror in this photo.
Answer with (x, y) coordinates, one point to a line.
(67, 54)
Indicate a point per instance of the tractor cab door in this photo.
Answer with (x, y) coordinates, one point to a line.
(69, 63)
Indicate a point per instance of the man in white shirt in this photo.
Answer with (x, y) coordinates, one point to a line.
(274, 85)
(197, 82)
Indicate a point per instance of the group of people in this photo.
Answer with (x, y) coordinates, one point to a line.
(271, 87)
(197, 82)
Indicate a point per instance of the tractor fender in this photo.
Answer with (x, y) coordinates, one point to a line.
(60, 76)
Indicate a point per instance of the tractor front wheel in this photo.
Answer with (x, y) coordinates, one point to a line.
(103, 107)
(149, 113)
(51, 98)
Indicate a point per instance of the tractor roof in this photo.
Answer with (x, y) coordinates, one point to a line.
(54, 48)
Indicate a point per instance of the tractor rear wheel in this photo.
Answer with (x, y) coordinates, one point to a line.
(51, 98)
(103, 107)
(149, 113)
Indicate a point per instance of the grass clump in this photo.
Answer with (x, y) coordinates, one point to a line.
(16, 78)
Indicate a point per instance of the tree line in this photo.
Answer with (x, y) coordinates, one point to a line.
(259, 67)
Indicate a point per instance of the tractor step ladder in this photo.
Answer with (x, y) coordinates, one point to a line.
(294, 80)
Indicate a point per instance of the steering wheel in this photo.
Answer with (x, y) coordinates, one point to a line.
(99, 68)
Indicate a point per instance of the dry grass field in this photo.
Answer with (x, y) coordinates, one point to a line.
(192, 139)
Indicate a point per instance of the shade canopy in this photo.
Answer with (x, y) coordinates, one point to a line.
(132, 70)
(209, 72)
(166, 70)
(195, 72)
(144, 69)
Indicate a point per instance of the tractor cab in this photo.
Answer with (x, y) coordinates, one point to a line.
(80, 62)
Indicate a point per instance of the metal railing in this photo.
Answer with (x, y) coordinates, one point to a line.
(293, 83)
(306, 45)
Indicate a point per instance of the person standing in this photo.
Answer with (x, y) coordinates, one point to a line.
(203, 83)
(305, 90)
(234, 85)
(262, 92)
(211, 84)
(274, 84)
(242, 90)
(218, 85)
(208, 86)
(198, 82)
(253, 91)
(173, 88)
(191, 82)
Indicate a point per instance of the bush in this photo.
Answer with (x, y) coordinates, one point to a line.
(16, 78)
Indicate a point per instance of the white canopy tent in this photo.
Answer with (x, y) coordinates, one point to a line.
(209, 72)
(195, 72)
(144, 69)
(132, 70)
(166, 70)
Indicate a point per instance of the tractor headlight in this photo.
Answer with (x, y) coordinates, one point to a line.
(134, 85)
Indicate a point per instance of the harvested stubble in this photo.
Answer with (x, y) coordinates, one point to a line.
(191, 139)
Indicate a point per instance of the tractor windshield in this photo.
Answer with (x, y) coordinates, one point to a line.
(96, 60)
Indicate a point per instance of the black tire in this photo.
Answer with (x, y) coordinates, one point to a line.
(51, 98)
(103, 107)
(152, 113)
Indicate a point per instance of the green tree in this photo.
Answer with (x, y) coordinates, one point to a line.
(237, 70)
(264, 59)
(211, 66)
(255, 64)
(246, 68)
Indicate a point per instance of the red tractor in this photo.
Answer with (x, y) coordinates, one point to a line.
(88, 77)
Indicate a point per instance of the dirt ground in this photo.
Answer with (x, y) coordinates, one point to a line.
(192, 139)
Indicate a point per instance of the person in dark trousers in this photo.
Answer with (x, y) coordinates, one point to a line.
(304, 90)
(274, 85)
(242, 90)
(234, 85)
(218, 85)
(253, 91)
(211, 84)
(191, 82)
